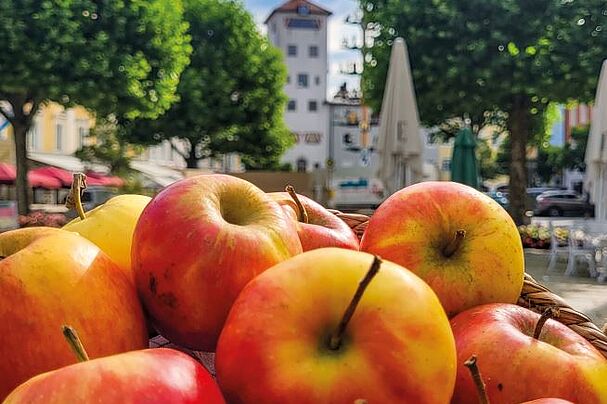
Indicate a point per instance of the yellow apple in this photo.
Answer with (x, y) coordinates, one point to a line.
(111, 226)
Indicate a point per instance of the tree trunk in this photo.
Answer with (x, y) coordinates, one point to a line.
(519, 124)
(191, 160)
(21, 185)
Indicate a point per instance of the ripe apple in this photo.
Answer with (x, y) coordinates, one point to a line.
(152, 375)
(49, 277)
(458, 240)
(516, 366)
(111, 226)
(197, 244)
(316, 226)
(296, 334)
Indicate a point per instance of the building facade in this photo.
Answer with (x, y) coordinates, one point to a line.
(299, 29)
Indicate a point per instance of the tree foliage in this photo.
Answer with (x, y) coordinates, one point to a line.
(473, 56)
(104, 147)
(120, 57)
(231, 94)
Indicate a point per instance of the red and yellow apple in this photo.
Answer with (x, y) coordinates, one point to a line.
(111, 226)
(147, 376)
(516, 366)
(49, 277)
(458, 240)
(321, 228)
(197, 244)
(277, 345)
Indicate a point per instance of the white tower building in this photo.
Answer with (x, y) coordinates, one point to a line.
(299, 29)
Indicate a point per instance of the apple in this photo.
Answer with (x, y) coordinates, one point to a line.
(111, 226)
(458, 240)
(524, 356)
(306, 331)
(152, 376)
(49, 277)
(197, 244)
(316, 226)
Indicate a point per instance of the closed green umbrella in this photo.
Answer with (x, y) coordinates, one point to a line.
(464, 168)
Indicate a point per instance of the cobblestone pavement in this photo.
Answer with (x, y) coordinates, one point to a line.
(580, 291)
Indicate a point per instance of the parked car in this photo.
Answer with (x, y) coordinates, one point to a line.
(533, 193)
(562, 203)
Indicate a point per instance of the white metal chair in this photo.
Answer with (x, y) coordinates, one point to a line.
(558, 247)
(580, 246)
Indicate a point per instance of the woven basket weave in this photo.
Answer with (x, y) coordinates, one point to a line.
(534, 296)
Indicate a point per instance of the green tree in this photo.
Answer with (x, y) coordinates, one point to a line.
(514, 56)
(574, 152)
(231, 94)
(120, 57)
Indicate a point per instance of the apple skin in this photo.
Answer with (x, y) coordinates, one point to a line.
(515, 367)
(548, 401)
(190, 263)
(52, 277)
(111, 226)
(398, 346)
(413, 226)
(323, 229)
(148, 376)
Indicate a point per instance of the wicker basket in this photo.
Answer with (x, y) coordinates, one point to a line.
(533, 296)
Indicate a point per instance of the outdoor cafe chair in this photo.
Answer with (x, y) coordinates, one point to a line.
(581, 246)
(558, 247)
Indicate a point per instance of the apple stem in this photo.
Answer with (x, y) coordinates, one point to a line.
(336, 337)
(74, 199)
(303, 214)
(478, 379)
(550, 312)
(74, 342)
(455, 243)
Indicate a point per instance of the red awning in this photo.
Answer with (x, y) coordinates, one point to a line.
(37, 180)
(8, 175)
(94, 178)
(64, 176)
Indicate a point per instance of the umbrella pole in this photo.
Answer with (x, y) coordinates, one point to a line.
(598, 197)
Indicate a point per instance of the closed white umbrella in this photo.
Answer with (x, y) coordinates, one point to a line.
(399, 141)
(596, 150)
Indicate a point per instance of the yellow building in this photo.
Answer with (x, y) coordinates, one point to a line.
(56, 130)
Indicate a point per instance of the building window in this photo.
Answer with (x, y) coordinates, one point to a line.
(59, 137)
(292, 50)
(312, 106)
(303, 9)
(347, 139)
(317, 80)
(302, 80)
(288, 79)
(302, 165)
(33, 138)
(313, 51)
(292, 105)
(273, 27)
(446, 165)
(83, 132)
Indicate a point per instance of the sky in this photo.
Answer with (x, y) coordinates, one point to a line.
(339, 58)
